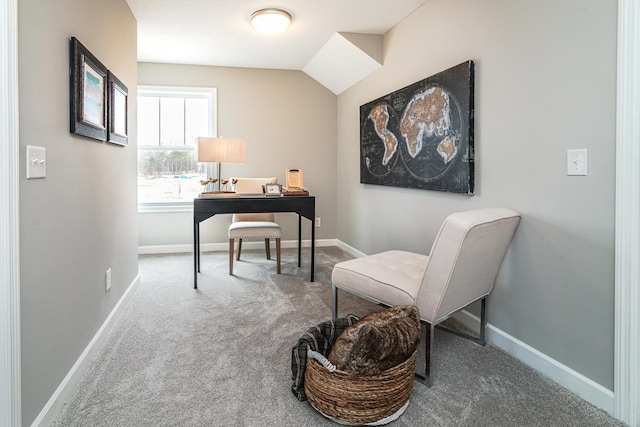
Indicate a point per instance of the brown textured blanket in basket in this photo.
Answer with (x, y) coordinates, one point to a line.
(360, 399)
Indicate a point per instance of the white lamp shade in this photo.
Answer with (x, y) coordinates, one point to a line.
(221, 150)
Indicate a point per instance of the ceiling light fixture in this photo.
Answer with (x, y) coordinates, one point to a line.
(270, 21)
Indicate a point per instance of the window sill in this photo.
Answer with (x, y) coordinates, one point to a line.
(165, 207)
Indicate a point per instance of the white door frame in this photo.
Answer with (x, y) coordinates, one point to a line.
(627, 235)
(10, 391)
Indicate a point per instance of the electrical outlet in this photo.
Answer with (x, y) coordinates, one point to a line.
(107, 280)
(318, 221)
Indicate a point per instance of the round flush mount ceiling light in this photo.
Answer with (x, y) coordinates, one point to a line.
(270, 21)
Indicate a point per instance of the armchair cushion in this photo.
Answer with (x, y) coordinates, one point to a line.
(392, 277)
(378, 341)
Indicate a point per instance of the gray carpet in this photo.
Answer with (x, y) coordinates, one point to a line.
(220, 356)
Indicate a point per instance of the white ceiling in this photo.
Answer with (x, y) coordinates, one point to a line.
(218, 32)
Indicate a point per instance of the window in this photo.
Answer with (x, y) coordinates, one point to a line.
(169, 121)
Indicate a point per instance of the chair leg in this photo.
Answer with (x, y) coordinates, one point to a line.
(334, 309)
(230, 256)
(239, 249)
(267, 248)
(428, 355)
(483, 326)
(278, 253)
(483, 321)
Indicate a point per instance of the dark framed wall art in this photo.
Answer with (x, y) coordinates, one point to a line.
(98, 99)
(118, 110)
(422, 136)
(88, 94)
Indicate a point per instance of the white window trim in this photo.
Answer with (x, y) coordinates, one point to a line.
(212, 93)
(165, 207)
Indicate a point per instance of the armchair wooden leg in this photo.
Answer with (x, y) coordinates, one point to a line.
(230, 256)
(267, 248)
(278, 253)
(334, 310)
(239, 249)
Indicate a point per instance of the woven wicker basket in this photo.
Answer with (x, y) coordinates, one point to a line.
(359, 399)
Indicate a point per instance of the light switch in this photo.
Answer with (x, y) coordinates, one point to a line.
(577, 162)
(36, 162)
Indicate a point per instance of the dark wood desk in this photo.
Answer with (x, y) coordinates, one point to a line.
(206, 207)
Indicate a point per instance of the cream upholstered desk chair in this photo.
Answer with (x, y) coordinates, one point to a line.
(460, 270)
(247, 226)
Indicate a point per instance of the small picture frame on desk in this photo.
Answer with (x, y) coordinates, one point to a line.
(273, 189)
(294, 179)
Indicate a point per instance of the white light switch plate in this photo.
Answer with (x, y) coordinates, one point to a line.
(577, 162)
(36, 162)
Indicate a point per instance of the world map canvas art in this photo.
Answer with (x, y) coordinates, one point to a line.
(421, 136)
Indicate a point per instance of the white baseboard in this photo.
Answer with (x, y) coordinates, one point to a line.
(223, 247)
(350, 249)
(66, 387)
(584, 387)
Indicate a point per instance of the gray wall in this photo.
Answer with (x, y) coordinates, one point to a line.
(80, 220)
(289, 121)
(545, 83)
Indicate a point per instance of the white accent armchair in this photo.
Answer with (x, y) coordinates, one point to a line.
(461, 269)
(246, 226)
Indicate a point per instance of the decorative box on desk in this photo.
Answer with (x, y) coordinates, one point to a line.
(295, 192)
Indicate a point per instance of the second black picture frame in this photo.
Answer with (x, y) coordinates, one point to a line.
(88, 93)
(118, 110)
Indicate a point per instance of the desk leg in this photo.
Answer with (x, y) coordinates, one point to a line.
(196, 252)
(313, 248)
(299, 238)
(198, 248)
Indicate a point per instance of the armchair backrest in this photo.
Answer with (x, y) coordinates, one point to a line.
(252, 186)
(464, 261)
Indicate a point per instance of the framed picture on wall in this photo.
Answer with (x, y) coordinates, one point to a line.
(422, 136)
(118, 110)
(88, 93)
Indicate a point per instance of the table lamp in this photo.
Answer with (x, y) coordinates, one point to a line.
(221, 150)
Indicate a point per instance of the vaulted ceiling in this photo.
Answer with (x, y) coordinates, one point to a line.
(337, 42)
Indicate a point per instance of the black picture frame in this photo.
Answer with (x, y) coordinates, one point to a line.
(118, 102)
(88, 93)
